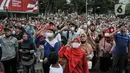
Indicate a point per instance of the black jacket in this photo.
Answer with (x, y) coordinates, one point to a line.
(28, 45)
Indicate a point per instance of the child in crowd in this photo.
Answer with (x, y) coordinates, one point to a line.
(55, 67)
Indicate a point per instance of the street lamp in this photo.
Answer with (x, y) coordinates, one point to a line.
(86, 9)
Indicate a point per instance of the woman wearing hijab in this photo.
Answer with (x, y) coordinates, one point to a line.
(75, 56)
(50, 44)
(85, 45)
(87, 48)
(105, 46)
(27, 53)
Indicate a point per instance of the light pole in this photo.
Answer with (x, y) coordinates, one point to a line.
(86, 9)
(6, 9)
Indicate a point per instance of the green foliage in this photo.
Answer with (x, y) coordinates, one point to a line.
(78, 5)
(128, 8)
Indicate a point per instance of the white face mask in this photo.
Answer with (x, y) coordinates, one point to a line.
(13, 32)
(85, 26)
(23, 25)
(72, 28)
(89, 23)
(49, 34)
(75, 45)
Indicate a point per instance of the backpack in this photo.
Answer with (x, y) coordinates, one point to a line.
(28, 60)
(26, 57)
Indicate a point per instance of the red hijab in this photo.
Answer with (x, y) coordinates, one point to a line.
(1, 28)
(74, 56)
(77, 40)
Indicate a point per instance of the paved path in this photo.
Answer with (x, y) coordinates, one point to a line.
(38, 68)
(96, 69)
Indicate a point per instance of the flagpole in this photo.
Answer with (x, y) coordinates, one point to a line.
(86, 9)
(6, 9)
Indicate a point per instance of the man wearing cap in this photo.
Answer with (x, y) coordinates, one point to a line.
(9, 47)
(19, 32)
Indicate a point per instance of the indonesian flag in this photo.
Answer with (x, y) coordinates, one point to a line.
(109, 30)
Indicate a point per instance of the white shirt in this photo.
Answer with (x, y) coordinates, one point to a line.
(53, 42)
(80, 31)
(56, 70)
(58, 37)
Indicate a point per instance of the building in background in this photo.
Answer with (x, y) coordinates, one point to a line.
(19, 6)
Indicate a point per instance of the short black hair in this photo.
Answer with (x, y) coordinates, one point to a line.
(7, 29)
(53, 58)
(72, 24)
(51, 23)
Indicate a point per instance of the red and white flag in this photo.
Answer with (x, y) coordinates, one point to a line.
(19, 5)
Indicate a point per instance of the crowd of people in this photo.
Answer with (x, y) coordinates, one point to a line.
(64, 43)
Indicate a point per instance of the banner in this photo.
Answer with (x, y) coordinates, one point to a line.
(25, 6)
(120, 9)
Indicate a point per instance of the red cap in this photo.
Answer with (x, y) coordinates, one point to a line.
(51, 28)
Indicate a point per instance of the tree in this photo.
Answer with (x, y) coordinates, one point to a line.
(100, 6)
(128, 8)
(103, 6)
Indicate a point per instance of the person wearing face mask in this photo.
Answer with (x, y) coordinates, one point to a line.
(9, 45)
(87, 48)
(68, 31)
(75, 56)
(18, 33)
(105, 45)
(50, 45)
